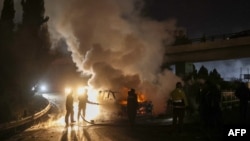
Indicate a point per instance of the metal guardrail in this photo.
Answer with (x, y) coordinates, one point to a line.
(17, 123)
(185, 40)
(225, 36)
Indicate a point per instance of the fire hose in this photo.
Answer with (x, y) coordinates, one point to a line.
(92, 122)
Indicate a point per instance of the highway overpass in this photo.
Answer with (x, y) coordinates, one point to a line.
(220, 49)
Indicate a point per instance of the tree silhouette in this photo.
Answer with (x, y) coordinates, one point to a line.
(33, 13)
(33, 43)
(194, 73)
(25, 53)
(8, 68)
(6, 38)
(215, 77)
(31, 46)
(6, 22)
(203, 72)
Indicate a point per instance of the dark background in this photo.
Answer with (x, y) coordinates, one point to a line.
(200, 17)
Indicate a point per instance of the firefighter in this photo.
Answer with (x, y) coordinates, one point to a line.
(132, 105)
(149, 108)
(179, 102)
(83, 99)
(69, 109)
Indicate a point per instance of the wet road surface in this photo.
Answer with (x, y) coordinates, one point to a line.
(146, 129)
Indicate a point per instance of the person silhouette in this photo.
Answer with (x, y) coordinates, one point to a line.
(83, 99)
(69, 109)
(243, 93)
(132, 104)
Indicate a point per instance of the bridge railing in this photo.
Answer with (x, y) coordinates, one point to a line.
(226, 36)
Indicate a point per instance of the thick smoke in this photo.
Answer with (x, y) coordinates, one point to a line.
(113, 46)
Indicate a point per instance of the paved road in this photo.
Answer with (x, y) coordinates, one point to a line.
(147, 132)
(146, 129)
(116, 131)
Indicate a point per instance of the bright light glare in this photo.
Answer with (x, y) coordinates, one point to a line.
(93, 95)
(45, 96)
(80, 90)
(75, 110)
(33, 88)
(67, 90)
(60, 121)
(92, 110)
(43, 88)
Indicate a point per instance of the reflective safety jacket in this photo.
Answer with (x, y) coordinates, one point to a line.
(179, 99)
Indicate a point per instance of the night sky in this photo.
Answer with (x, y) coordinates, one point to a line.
(198, 17)
(208, 17)
(203, 16)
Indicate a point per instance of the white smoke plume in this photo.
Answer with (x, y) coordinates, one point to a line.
(115, 47)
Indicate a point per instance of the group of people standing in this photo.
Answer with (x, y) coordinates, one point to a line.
(83, 99)
(208, 101)
(177, 96)
(208, 98)
(209, 105)
(132, 104)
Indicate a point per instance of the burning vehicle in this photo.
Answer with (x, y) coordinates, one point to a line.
(144, 108)
(110, 104)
